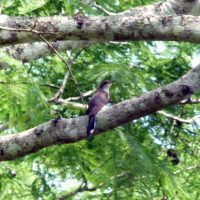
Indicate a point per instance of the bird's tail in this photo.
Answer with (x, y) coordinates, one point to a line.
(91, 125)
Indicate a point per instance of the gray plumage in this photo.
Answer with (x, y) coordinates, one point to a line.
(96, 103)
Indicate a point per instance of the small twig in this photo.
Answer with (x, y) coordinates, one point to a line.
(102, 9)
(26, 82)
(50, 85)
(190, 101)
(69, 69)
(59, 93)
(69, 103)
(187, 169)
(77, 98)
(49, 44)
(27, 30)
(82, 188)
(187, 121)
(193, 171)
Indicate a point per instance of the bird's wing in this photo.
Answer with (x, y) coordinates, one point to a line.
(97, 102)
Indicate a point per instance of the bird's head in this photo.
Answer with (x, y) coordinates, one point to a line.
(105, 84)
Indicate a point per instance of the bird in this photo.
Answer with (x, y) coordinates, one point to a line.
(96, 103)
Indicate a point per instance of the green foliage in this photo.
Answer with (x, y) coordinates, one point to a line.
(129, 162)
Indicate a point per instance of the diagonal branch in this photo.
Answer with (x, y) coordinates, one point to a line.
(59, 131)
(68, 67)
(59, 93)
(102, 9)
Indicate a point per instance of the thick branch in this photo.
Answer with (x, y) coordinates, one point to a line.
(61, 131)
(110, 28)
(30, 51)
(169, 7)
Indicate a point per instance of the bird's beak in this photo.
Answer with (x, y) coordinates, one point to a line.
(112, 81)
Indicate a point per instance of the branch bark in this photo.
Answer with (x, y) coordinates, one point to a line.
(31, 51)
(110, 28)
(59, 131)
(189, 7)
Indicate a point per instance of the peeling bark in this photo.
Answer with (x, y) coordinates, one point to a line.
(59, 131)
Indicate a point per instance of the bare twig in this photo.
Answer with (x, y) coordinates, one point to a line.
(81, 188)
(187, 169)
(26, 82)
(27, 30)
(50, 85)
(102, 9)
(187, 121)
(77, 98)
(69, 69)
(190, 101)
(59, 93)
(69, 103)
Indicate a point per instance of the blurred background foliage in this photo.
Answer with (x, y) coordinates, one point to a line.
(129, 162)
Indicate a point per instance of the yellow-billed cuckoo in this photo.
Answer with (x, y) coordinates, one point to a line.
(96, 103)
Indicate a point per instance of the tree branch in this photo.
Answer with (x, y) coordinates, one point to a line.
(166, 8)
(30, 51)
(59, 131)
(186, 121)
(110, 28)
(88, 93)
(82, 188)
(102, 9)
(68, 65)
(68, 101)
(190, 101)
